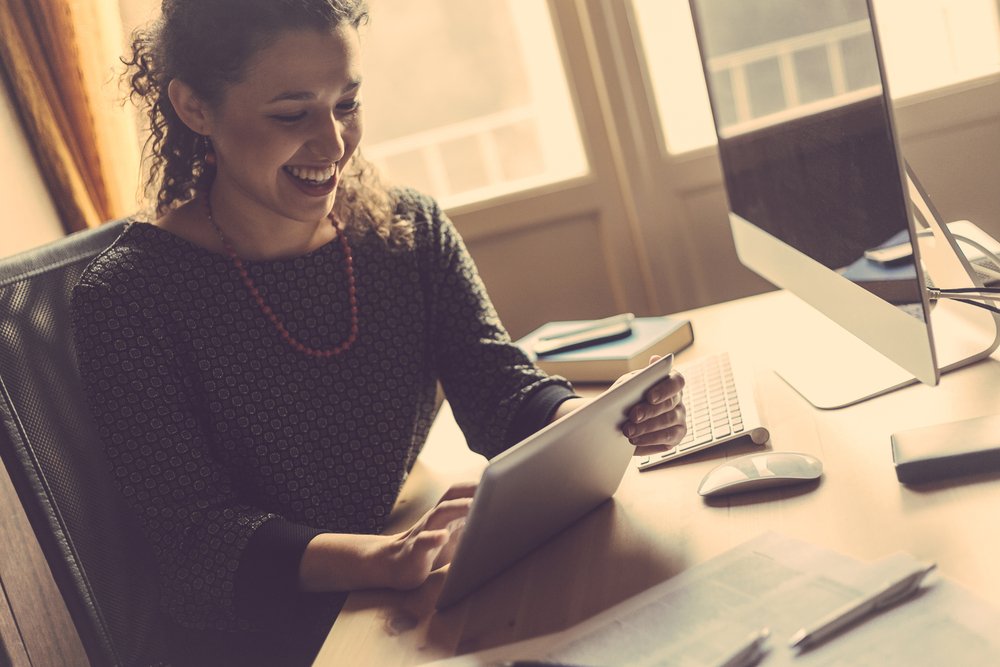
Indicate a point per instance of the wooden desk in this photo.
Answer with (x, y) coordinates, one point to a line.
(657, 525)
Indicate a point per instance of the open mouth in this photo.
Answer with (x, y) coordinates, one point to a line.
(310, 176)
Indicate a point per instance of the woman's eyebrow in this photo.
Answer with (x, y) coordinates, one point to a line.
(293, 95)
(305, 95)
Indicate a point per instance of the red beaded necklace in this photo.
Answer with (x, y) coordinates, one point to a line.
(266, 309)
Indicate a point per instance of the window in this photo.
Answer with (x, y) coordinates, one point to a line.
(927, 44)
(933, 43)
(468, 100)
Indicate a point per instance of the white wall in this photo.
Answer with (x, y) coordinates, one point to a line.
(28, 217)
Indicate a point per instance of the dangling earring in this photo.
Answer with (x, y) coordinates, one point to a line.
(209, 151)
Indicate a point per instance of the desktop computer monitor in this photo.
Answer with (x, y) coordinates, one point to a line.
(822, 204)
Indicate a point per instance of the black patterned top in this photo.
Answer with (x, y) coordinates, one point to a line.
(234, 449)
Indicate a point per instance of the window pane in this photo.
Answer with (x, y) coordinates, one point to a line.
(764, 89)
(726, 102)
(467, 100)
(927, 44)
(858, 54)
(813, 74)
(933, 43)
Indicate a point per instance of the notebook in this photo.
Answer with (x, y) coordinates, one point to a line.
(609, 360)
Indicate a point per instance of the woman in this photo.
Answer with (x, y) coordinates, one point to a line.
(262, 358)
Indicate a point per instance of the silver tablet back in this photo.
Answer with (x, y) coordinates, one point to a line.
(540, 486)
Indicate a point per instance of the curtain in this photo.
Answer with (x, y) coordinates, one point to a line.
(59, 60)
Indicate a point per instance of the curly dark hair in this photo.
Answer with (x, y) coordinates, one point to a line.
(206, 44)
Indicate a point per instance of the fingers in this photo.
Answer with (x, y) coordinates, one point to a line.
(417, 556)
(659, 419)
(433, 549)
(429, 544)
(641, 412)
(442, 531)
(664, 429)
(446, 512)
(666, 389)
(429, 540)
(447, 551)
(460, 490)
(660, 398)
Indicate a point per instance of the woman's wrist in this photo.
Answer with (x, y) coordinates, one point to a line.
(568, 406)
(342, 562)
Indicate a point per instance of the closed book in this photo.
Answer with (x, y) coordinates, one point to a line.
(608, 361)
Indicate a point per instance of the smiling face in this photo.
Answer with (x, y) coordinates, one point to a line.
(283, 135)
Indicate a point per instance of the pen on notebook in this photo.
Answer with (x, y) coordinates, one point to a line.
(749, 652)
(611, 328)
(624, 318)
(890, 593)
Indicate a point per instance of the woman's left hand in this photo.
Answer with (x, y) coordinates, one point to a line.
(657, 422)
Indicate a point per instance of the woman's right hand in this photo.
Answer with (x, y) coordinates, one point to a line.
(348, 562)
(430, 543)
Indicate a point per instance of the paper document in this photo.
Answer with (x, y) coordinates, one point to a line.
(701, 616)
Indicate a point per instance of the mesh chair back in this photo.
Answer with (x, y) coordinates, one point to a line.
(97, 555)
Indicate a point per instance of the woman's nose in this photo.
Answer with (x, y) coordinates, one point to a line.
(329, 139)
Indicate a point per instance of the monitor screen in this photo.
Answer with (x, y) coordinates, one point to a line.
(811, 168)
(828, 185)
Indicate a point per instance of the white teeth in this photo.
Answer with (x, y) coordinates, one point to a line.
(311, 175)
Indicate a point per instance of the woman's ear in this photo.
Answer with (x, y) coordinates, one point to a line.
(191, 109)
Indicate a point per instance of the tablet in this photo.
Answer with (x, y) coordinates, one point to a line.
(544, 483)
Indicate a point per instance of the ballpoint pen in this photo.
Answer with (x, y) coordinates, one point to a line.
(590, 326)
(892, 592)
(609, 328)
(749, 652)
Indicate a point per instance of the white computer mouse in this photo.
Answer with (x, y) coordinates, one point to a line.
(760, 471)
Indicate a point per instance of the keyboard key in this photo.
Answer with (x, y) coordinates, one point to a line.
(697, 442)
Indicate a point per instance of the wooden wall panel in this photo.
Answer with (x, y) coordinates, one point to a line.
(716, 273)
(959, 164)
(546, 272)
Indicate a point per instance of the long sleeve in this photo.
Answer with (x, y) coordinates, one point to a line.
(147, 413)
(497, 394)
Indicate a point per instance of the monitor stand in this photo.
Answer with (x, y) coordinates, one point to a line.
(831, 368)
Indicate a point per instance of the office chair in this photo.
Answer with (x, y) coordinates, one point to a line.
(97, 555)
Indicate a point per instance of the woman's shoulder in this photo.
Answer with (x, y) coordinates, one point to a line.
(425, 214)
(113, 260)
(141, 253)
(414, 204)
